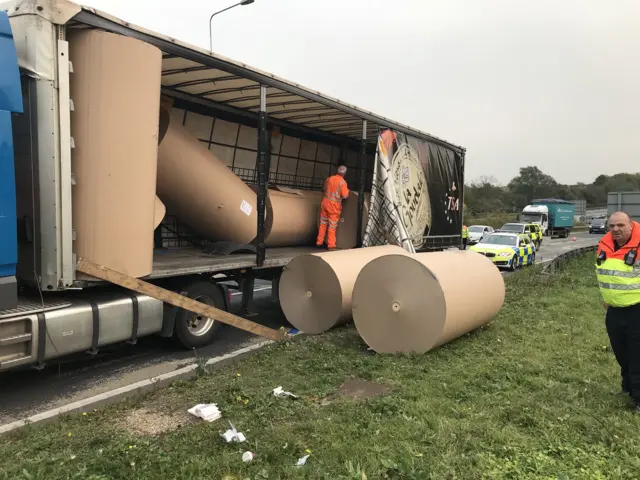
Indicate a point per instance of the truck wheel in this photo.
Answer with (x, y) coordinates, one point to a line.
(191, 329)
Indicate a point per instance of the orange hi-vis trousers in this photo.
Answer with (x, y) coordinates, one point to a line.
(328, 224)
(335, 189)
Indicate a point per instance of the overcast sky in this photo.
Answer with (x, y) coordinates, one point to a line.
(547, 83)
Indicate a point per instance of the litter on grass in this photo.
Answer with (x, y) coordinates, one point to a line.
(208, 412)
(233, 435)
(302, 461)
(279, 392)
(248, 456)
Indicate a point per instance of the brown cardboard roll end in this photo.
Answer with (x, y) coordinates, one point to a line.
(316, 289)
(310, 294)
(414, 303)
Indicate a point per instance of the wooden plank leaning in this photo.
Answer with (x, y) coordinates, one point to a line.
(167, 296)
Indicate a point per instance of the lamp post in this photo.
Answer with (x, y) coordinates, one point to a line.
(242, 3)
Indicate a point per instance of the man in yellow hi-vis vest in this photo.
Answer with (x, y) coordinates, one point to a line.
(618, 272)
(465, 237)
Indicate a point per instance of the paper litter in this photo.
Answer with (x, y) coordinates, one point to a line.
(209, 412)
(302, 460)
(233, 435)
(248, 456)
(279, 392)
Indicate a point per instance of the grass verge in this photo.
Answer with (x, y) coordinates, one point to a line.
(534, 395)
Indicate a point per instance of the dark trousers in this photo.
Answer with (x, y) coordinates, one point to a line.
(464, 243)
(623, 327)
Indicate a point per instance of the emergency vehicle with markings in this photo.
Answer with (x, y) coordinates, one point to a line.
(507, 250)
(533, 230)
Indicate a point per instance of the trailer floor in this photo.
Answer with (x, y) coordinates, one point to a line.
(187, 261)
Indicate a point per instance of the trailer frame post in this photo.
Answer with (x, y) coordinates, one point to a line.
(461, 186)
(247, 287)
(263, 161)
(275, 288)
(362, 179)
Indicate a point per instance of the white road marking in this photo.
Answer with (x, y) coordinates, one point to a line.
(126, 391)
(259, 289)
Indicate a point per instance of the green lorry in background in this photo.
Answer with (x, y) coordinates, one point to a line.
(554, 215)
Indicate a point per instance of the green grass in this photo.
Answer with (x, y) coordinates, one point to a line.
(534, 395)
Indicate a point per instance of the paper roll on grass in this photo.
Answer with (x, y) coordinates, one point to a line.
(414, 303)
(201, 190)
(115, 88)
(315, 289)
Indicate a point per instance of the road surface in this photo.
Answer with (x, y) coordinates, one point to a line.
(28, 392)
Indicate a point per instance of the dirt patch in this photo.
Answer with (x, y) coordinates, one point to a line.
(357, 389)
(143, 421)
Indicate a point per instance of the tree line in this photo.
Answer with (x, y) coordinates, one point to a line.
(487, 195)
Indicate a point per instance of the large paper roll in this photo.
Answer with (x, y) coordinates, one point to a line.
(201, 190)
(414, 303)
(291, 217)
(115, 88)
(315, 289)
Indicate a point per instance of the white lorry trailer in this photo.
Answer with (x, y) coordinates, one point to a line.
(59, 313)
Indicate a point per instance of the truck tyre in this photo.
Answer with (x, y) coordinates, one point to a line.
(191, 329)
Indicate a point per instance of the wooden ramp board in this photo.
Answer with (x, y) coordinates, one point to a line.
(172, 298)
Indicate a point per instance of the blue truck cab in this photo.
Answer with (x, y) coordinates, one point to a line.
(10, 103)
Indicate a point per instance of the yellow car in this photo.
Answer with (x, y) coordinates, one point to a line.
(507, 250)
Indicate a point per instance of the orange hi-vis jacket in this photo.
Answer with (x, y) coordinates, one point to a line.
(619, 282)
(335, 190)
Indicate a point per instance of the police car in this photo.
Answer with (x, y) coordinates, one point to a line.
(509, 250)
(533, 230)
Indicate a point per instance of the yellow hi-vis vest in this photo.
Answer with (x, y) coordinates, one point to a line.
(465, 232)
(619, 283)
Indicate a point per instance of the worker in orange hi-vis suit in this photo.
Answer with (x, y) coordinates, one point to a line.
(335, 190)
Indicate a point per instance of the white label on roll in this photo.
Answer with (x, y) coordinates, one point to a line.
(246, 207)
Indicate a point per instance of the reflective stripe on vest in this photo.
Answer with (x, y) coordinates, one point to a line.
(619, 283)
(335, 195)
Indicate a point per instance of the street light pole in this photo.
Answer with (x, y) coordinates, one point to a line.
(242, 2)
